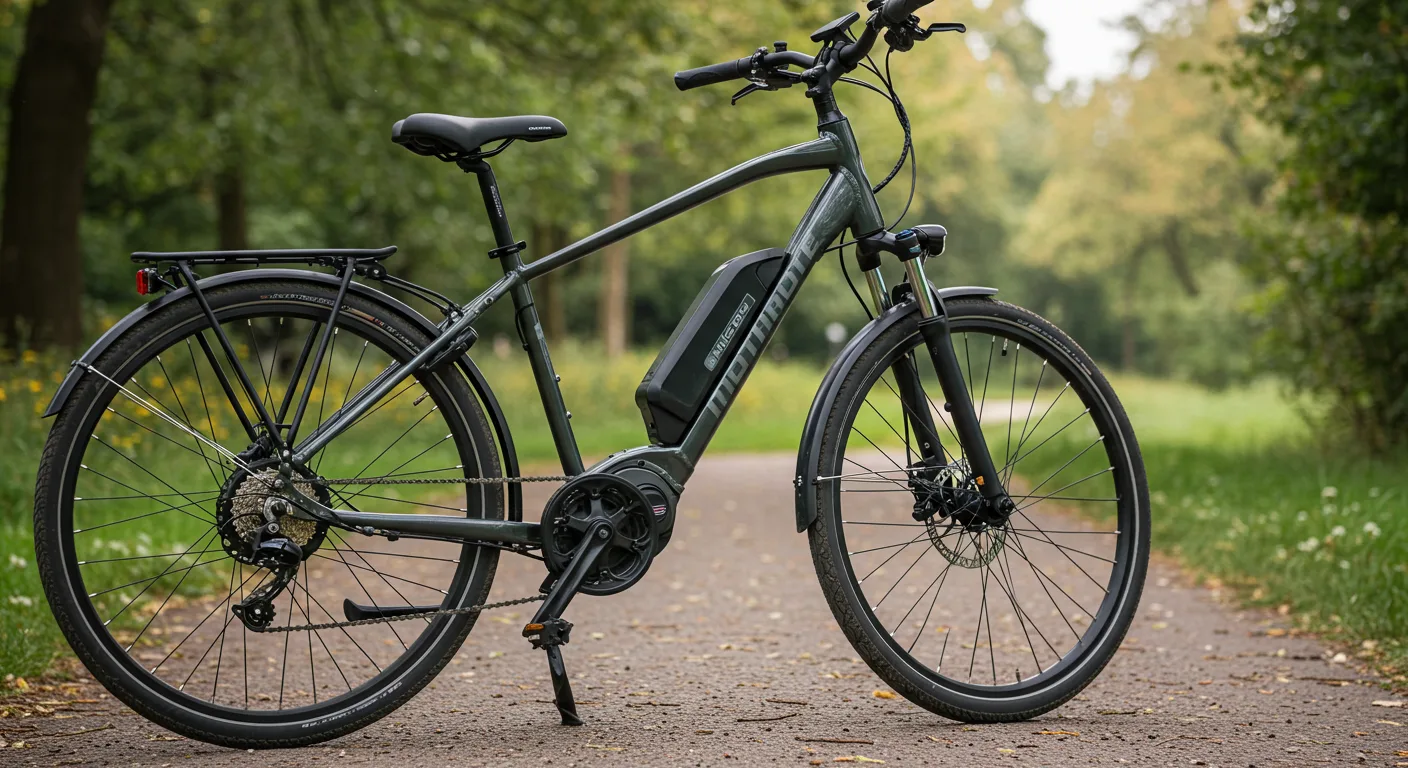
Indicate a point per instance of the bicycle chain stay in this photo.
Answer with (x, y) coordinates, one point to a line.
(386, 480)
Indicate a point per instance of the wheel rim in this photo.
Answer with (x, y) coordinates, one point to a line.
(169, 623)
(996, 611)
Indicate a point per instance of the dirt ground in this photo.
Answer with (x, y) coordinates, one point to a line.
(726, 651)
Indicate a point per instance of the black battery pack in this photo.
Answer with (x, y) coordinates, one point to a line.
(675, 389)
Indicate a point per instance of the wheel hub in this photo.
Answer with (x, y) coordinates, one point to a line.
(252, 510)
(957, 517)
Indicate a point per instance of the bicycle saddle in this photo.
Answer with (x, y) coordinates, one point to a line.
(427, 133)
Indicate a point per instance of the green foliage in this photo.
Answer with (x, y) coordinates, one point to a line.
(1151, 174)
(1334, 76)
(1334, 265)
(1335, 307)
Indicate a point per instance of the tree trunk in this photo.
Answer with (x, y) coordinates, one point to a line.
(548, 238)
(1177, 259)
(614, 302)
(55, 83)
(231, 223)
(1129, 312)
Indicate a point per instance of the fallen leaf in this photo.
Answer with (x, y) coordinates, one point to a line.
(891, 695)
(1389, 703)
(1389, 722)
(939, 740)
(704, 732)
(1058, 733)
(1006, 751)
(857, 759)
(604, 747)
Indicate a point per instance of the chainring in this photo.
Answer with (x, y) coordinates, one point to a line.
(587, 497)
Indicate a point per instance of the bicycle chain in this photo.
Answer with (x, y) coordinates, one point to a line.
(390, 480)
(386, 480)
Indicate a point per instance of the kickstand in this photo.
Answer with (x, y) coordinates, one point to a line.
(549, 631)
(562, 687)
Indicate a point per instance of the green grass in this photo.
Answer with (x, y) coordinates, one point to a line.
(1241, 491)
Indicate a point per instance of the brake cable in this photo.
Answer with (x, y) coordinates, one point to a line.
(906, 153)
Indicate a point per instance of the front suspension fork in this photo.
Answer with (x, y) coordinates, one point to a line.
(934, 328)
(912, 398)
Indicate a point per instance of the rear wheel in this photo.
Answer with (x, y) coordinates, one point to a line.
(141, 525)
(977, 621)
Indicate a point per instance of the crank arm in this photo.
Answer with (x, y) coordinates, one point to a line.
(355, 612)
(599, 536)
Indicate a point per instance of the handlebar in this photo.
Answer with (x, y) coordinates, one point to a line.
(738, 69)
(897, 11)
(893, 15)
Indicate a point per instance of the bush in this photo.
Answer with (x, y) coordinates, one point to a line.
(1330, 76)
(1336, 306)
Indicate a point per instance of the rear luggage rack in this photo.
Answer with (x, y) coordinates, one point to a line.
(320, 256)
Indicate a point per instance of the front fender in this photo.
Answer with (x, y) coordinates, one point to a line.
(809, 452)
(476, 378)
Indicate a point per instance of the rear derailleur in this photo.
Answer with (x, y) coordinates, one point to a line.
(280, 555)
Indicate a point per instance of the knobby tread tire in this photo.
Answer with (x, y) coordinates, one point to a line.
(828, 557)
(163, 708)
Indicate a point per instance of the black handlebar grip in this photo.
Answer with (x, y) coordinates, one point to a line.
(896, 11)
(714, 73)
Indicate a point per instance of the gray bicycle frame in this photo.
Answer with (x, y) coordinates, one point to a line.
(845, 201)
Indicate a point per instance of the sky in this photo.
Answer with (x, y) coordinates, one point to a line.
(1079, 41)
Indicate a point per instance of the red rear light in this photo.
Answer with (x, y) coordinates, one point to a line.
(146, 281)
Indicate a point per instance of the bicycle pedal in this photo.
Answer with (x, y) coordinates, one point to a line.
(549, 633)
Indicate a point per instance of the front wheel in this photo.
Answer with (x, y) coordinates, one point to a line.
(976, 620)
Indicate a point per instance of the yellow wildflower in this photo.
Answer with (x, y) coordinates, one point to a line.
(36, 386)
(29, 356)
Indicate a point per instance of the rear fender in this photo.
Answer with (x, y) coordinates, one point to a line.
(809, 452)
(480, 385)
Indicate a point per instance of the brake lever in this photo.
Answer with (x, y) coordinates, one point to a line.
(744, 91)
(770, 80)
(903, 38)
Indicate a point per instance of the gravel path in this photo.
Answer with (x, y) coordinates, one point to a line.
(727, 651)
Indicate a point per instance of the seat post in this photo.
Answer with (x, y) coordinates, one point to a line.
(506, 248)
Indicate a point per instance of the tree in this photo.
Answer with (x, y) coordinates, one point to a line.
(54, 88)
(1333, 77)
(1152, 174)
